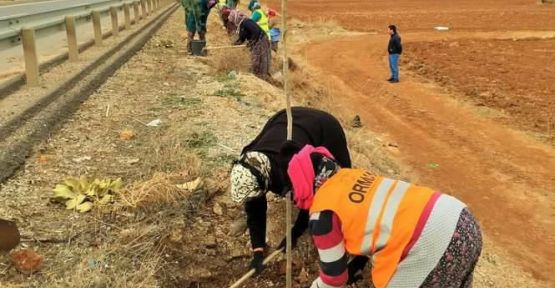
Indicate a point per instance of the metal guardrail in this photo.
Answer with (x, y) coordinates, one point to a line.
(21, 29)
(10, 26)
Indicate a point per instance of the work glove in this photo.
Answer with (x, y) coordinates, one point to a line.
(355, 268)
(257, 262)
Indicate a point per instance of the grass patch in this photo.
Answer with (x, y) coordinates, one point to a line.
(180, 101)
(200, 140)
(229, 90)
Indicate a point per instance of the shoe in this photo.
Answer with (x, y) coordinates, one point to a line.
(389, 79)
(394, 81)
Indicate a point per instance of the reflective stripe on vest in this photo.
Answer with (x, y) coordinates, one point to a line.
(378, 216)
(263, 22)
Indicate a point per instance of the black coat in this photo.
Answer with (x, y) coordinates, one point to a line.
(251, 32)
(310, 126)
(395, 46)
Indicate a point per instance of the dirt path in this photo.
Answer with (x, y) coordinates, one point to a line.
(504, 176)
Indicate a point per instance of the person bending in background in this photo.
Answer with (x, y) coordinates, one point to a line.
(262, 167)
(196, 15)
(395, 49)
(258, 43)
(414, 236)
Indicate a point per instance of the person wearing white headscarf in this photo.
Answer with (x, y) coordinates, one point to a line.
(262, 167)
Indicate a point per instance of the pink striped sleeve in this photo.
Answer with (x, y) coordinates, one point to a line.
(326, 232)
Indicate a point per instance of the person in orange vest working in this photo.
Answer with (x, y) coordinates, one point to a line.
(262, 167)
(414, 236)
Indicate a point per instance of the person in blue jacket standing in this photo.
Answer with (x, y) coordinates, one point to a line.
(395, 49)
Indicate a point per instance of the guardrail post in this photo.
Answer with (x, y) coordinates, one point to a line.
(30, 55)
(127, 15)
(97, 28)
(143, 8)
(136, 12)
(72, 48)
(115, 26)
(149, 6)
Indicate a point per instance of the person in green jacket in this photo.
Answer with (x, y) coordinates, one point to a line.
(196, 15)
(259, 17)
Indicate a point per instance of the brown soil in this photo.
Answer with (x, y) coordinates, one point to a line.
(504, 175)
(512, 77)
(423, 15)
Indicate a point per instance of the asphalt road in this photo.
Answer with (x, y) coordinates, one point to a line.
(25, 9)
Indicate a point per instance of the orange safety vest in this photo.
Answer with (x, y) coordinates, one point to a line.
(378, 216)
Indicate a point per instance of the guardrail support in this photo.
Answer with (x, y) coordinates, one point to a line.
(97, 28)
(136, 12)
(30, 55)
(143, 8)
(72, 48)
(127, 15)
(115, 26)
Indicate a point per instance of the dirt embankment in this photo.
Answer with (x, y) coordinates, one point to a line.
(206, 117)
(154, 234)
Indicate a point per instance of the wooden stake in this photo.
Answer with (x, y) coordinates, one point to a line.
(149, 7)
(72, 48)
(115, 26)
(225, 47)
(30, 55)
(136, 12)
(97, 28)
(251, 272)
(127, 15)
(288, 212)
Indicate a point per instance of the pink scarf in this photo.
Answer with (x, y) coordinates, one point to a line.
(301, 173)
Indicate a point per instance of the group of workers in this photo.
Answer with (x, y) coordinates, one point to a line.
(408, 235)
(259, 30)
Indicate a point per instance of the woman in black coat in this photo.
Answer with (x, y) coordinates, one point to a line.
(262, 167)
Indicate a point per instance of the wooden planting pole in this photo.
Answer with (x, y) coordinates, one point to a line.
(136, 11)
(30, 55)
(114, 15)
(288, 199)
(127, 15)
(73, 50)
(97, 27)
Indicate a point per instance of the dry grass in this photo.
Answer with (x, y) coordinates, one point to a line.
(160, 190)
(225, 60)
(168, 151)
